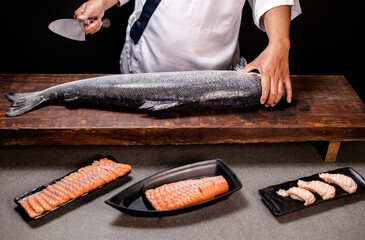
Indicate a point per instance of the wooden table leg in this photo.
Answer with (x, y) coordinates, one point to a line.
(332, 151)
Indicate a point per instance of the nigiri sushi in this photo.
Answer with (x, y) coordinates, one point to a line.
(298, 194)
(325, 190)
(345, 182)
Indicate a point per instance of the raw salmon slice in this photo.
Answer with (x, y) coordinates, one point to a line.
(187, 192)
(73, 186)
(297, 193)
(38, 209)
(25, 204)
(51, 198)
(345, 182)
(43, 201)
(61, 197)
(325, 190)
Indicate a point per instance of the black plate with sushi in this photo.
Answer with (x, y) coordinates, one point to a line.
(134, 201)
(37, 190)
(279, 205)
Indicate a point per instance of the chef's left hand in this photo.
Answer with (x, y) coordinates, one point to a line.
(273, 65)
(273, 62)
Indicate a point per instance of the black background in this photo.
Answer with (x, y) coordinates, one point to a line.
(326, 39)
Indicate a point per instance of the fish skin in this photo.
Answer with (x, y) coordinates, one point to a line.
(210, 89)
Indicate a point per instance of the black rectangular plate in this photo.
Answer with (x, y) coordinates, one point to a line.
(40, 188)
(280, 205)
(134, 202)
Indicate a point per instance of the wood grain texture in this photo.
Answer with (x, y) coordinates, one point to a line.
(332, 151)
(324, 108)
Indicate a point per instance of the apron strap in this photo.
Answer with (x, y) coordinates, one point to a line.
(140, 25)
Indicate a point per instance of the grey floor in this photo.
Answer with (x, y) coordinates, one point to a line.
(242, 216)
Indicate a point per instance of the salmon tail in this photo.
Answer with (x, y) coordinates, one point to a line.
(23, 102)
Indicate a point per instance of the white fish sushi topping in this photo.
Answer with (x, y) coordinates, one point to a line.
(325, 190)
(345, 182)
(298, 194)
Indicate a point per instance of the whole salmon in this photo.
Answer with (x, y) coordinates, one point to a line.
(210, 89)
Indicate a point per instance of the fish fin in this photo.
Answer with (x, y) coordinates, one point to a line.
(159, 105)
(22, 103)
(71, 99)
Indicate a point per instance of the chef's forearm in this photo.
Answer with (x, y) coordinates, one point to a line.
(109, 3)
(277, 25)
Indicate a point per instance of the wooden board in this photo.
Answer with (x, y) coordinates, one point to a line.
(324, 108)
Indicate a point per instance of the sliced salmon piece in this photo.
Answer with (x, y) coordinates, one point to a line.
(28, 208)
(73, 185)
(35, 205)
(61, 189)
(107, 176)
(186, 193)
(95, 175)
(92, 180)
(298, 193)
(43, 201)
(68, 188)
(325, 190)
(51, 198)
(61, 197)
(345, 182)
(122, 169)
(86, 185)
(118, 169)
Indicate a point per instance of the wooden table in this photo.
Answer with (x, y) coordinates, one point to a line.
(324, 108)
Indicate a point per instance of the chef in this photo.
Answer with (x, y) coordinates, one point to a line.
(178, 35)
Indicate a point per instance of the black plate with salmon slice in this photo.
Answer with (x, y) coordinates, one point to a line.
(283, 205)
(40, 188)
(134, 202)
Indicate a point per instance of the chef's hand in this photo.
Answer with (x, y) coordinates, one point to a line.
(273, 62)
(93, 9)
(273, 65)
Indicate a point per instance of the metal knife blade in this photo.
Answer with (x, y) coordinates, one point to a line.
(69, 28)
(72, 28)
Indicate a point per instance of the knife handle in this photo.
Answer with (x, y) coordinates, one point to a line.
(105, 22)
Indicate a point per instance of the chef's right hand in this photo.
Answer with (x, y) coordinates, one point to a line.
(91, 9)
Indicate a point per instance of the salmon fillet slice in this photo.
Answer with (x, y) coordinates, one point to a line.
(43, 201)
(297, 193)
(51, 198)
(73, 186)
(345, 182)
(35, 204)
(76, 186)
(60, 196)
(325, 190)
(25, 204)
(187, 192)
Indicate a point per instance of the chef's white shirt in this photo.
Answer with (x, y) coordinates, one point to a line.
(191, 34)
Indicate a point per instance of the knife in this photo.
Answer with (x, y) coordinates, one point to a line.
(72, 29)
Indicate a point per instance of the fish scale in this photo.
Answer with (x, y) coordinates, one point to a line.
(210, 89)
